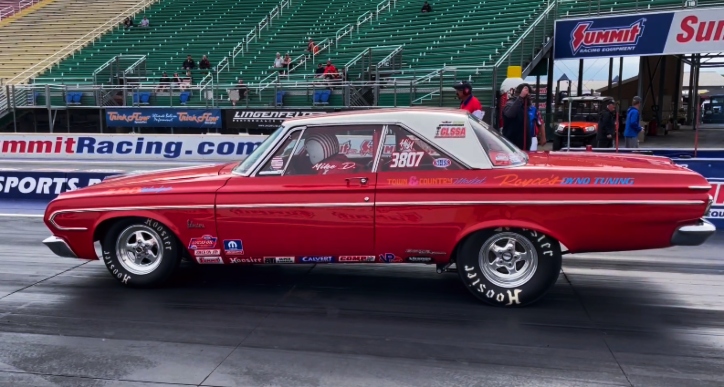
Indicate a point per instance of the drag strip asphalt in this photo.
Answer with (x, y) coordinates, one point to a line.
(650, 318)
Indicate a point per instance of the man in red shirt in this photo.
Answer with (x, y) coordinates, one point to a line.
(468, 101)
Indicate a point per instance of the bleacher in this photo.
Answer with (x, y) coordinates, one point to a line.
(466, 37)
(29, 40)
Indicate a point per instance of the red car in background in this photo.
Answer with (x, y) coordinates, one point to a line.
(422, 186)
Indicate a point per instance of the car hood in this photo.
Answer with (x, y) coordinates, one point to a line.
(598, 160)
(578, 123)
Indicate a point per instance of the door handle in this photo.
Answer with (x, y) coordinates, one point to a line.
(362, 180)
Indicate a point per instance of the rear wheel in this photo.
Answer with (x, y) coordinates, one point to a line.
(140, 252)
(509, 266)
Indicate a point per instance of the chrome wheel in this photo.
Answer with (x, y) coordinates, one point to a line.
(139, 249)
(508, 260)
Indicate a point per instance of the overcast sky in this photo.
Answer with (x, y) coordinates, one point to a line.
(597, 69)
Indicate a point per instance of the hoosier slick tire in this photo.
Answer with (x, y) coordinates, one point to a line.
(509, 267)
(141, 252)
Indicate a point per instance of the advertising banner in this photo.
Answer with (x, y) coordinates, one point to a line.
(716, 214)
(644, 34)
(158, 117)
(44, 185)
(255, 119)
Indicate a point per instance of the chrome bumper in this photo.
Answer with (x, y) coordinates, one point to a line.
(694, 234)
(59, 247)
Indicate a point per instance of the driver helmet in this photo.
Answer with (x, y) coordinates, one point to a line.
(321, 146)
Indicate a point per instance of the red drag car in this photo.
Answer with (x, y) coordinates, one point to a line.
(432, 186)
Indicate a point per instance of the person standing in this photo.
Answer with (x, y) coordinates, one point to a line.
(606, 125)
(516, 123)
(468, 101)
(633, 126)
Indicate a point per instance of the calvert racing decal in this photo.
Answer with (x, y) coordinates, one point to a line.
(684, 31)
(326, 259)
(204, 242)
(233, 247)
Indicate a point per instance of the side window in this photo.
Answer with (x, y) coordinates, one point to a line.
(404, 151)
(328, 150)
(280, 160)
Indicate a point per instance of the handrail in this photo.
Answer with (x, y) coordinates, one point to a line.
(251, 35)
(543, 15)
(6, 12)
(49, 61)
(323, 45)
(368, 16)
(134, 64)
(382, 5)
(223, 64)
(263, 23)
(347, 27)
(389, 56)
(239, 49)
(356, 59)
(27, 3)
(273, 13)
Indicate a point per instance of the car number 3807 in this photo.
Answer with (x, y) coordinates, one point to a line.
(406, 159)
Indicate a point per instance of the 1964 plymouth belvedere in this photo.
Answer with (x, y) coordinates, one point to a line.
(432, 186)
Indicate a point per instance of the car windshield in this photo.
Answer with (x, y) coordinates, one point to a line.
(502, 152)
(244, 167)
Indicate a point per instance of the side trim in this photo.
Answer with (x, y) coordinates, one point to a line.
(700, 187)
(547, 202)
(51, 219)
(305, 205)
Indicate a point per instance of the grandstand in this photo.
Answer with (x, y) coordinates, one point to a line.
(391, 53)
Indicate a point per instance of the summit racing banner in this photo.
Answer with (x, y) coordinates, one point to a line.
(265, 119)
(136, 147)
(643, 34)
(154, 118)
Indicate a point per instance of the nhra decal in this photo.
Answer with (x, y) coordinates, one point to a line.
(233, 247)
(442, 163)
(204, 242)
(210, 260)
(277, 162)
(616, 38)
(356, 258)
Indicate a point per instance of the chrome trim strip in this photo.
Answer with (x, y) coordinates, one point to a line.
(543, 202)
(303, 205)
(51, 219)
(700, 187)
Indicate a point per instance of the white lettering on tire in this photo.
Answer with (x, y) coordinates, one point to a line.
(119, 274)
(513, 297)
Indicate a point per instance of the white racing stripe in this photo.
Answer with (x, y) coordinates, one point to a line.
(3, 215)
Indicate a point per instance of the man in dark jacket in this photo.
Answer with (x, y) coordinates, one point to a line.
(606, 125)
(515, 118)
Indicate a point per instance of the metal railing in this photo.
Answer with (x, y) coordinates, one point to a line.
(577, 8)
(6, 12)
(27, 3)
(72, 48)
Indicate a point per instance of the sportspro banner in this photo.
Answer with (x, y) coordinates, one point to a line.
(158, 147)
(644, 34)
(254, 119)
(45, 185)
(155, 117)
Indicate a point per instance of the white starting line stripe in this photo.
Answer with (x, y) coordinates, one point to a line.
(2, 215)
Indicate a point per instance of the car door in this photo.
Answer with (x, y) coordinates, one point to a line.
(414, 179)
(312, 199)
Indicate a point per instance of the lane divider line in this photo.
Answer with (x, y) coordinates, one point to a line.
(21, 215)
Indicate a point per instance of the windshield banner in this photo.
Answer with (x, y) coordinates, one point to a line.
(165, 118)
(642, 34)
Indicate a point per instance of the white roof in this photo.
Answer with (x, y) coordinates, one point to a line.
(423, 122)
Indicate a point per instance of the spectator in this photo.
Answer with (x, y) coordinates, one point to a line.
(188, 63)
(319, 72)
(188, 81)
(240, 92)
(145, 22)
(606, 126)
(279, 63)
(515, 119)
(330, 71)
(128, 23)
(426, 8)
(204, 64)
(164, 82)
(312, 47)
(287, 63)
(633, 126)
(468, 101)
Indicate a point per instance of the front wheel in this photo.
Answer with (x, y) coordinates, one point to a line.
(509, 266)
(140, 252)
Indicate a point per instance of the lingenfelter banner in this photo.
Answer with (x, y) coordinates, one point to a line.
(698, 30)
(254, 119)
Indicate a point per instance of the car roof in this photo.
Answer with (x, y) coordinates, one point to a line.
(424, 122)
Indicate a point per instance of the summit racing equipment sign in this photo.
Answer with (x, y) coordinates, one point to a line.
(642, 34)
(128, 147)
(153, 118)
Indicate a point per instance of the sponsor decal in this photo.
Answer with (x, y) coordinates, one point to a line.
(407, 145)
(204, 242)
(419, 259)
(515, 181)
(717, 207)
(450, 129)
(327, 166)
(598, 181)
(587, 39)
(245, 260)
(210, 260)
(406, 159)
(264, 119)
(277, 163)
(424, 252)
(442, 163)
(35, 185)
(185, 118)
(363, 148)
(316, 259)
(279, 260)
(137, 190)
(356, 258)
(191, 224)
(426, 181)
(233, 247)
(389, 258)
(206, 252)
